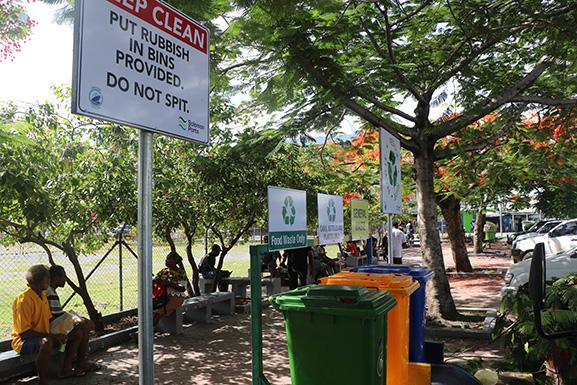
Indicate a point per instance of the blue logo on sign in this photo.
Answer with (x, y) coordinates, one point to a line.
(95, 96)
(183, 124)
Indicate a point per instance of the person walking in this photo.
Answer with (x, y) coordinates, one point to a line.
(398, 239)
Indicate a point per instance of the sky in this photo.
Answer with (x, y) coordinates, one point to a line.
(45, 60)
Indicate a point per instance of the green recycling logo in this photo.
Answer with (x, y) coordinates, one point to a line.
(289, 211)
(332, 211)
(392, 168)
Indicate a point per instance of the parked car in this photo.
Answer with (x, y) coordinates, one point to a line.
(547, 226)
(558, 266)
(533, 229)
(560, 238)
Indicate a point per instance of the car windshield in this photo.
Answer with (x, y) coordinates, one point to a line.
(536, 226)
(548, 226)
(567, 252)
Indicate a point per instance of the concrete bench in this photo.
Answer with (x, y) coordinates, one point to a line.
(198, 309)
(12, 364)
(239, 285)
(222, 303)
(192, 309)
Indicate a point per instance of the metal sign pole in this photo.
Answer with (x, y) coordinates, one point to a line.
(120, 278)
(258, 377)
(145, 327)
(390, 237)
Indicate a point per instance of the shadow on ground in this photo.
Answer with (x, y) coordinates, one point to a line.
(214, 354)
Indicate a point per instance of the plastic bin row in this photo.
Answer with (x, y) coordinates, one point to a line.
(354, 328)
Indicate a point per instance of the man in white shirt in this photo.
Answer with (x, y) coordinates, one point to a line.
(398, 239)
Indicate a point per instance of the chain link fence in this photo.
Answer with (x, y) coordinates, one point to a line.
(112, 276)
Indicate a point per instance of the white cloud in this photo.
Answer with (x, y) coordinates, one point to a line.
(45, 60)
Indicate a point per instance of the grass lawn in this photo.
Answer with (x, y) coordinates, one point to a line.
(104, 284)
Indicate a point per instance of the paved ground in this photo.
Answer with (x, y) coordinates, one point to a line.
(473, 291)
(220, 353)
(214, 354)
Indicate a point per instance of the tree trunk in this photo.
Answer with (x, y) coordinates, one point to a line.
(190, 256)
(226, 249)
(429, 233)
(478, 232)
(168, 238)
(82, 289)
(451, 209)
(217, 275)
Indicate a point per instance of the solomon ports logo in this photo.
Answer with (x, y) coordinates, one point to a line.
(95, 97)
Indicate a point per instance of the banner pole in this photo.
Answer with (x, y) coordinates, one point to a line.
(390, 237)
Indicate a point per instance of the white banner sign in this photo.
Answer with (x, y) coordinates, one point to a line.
(391, 192)
(287, 218)
(331, 224)
(144, 64)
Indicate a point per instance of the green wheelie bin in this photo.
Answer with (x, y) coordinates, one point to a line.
(336, 334)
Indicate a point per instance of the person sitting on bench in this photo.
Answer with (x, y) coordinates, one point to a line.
(175, 281)
(79, 331)
(208, 267)
(31, 322)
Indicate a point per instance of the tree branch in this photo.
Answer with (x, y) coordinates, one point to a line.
(319, 76)
(240, 233)
(218, 235)
(507, 96)
(410, 15)
(258, 60)
(416, 91)
(374, 100)
(386, 108)
(379, 122)
(441, 78)
(485, 143)
(70, 283)
(544, 100)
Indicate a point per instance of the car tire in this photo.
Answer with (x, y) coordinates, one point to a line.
(527, 255)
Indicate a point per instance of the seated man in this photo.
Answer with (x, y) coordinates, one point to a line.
(78, 336)
(208, 267)
(31, 322)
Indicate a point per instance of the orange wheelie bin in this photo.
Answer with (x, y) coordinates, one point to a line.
(400, 287)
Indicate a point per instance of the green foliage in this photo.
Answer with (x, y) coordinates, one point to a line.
(63, 182)
(557, 201)
(527, 350)
(233, 178)
(537, 157)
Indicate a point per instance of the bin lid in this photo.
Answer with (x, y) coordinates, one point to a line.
(420, 273)
(396, 284)
(352, 301)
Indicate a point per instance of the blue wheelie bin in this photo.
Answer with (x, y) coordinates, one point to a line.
(418, 302)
